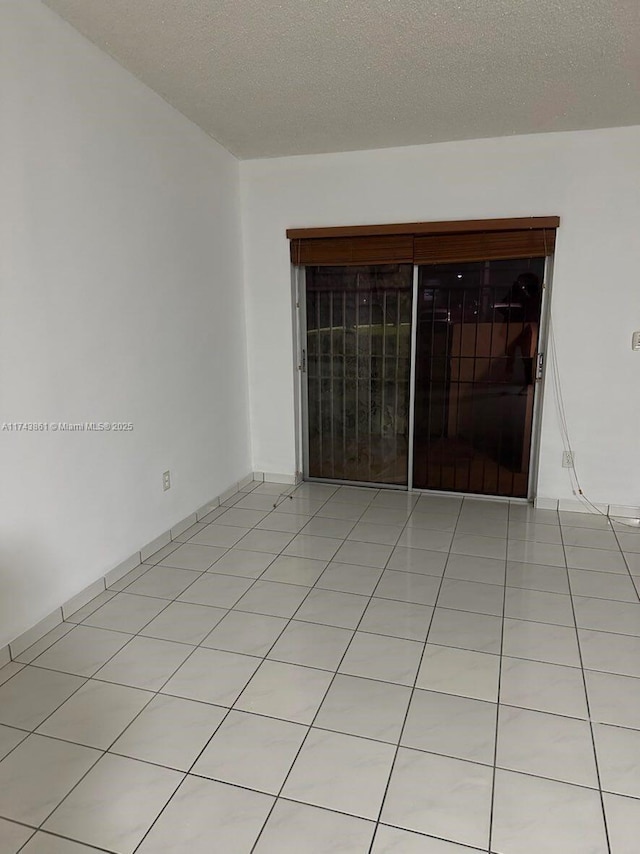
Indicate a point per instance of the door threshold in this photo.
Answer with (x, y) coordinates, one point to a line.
(438, 493)
(477, 496)
(361, 483)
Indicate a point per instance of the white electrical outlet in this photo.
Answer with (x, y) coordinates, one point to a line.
(166, 480)
(567, 459)
(635, 341)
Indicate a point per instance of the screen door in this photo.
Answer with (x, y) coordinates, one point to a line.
(358, 368)
(477, 334)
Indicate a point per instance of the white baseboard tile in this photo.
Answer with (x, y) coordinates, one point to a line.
(80, 599)
(501, 499)
(545, 503)
(245, 483)
(574, 505)
(28, 638)
(10, 669)
(210, 517)
(33, 651)
(186, 535)
(183, 525)
(155, 545)
(239, 486)
(624, 512)
(128, 578)
(91, 607)
(5, 655)
(99, 587)
(122, 569)
(276, 477)
(207, 508)
(627, 524)
(229, 493)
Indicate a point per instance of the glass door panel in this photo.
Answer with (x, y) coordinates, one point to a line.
(358, 355)
(475, 375)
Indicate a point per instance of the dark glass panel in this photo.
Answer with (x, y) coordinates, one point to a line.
(358, 358)
(475, 354)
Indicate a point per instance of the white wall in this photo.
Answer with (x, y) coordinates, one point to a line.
(120, 300)
(591, 179)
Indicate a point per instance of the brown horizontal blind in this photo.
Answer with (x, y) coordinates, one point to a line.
(424, 243)
(483, 246)
(397, 249)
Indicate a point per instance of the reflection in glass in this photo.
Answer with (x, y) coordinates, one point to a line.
(358, 372)
(477, 335)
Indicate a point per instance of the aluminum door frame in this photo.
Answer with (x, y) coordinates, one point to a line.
(539, 393)
(301, 399)
(301, 393)
(412, 377)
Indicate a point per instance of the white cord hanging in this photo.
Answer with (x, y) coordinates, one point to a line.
(564, 432)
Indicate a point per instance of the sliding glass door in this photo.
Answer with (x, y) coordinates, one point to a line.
(473, 329)
(477, 334)
(358, 347)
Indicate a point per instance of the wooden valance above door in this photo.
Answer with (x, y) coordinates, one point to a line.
(424, 242)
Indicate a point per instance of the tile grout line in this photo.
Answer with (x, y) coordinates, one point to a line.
(254, 579)
(153, 694)
(411, 696)
(169, 602)
(264, 658)
(87, 679)
(589, 719)
(102, 751)
(103, 578)
(61, 836)
(324, 697)
(201, 574)
(497, 718)
(232, 708)
(626, 563)
(335, 675)
(158, 692)
(27, 733)
(294, 800)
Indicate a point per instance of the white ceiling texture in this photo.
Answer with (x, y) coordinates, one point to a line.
(278, 77)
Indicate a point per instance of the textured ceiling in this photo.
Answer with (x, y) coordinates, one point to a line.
(278, 77)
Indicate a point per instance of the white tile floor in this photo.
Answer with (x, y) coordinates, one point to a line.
(348, 671)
